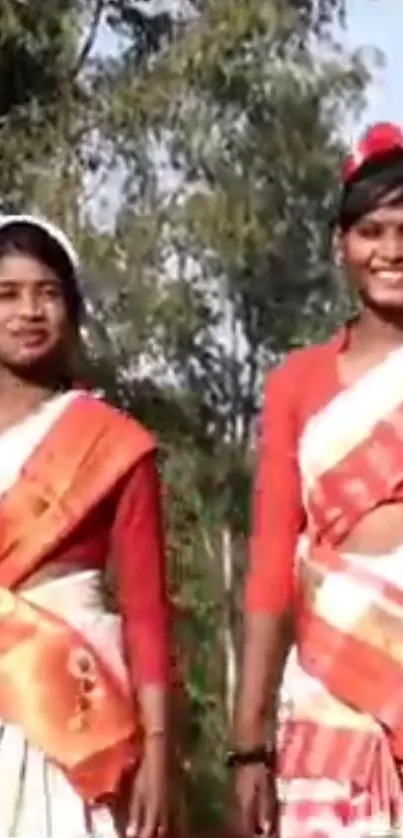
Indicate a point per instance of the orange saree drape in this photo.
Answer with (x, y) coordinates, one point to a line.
(52, 682)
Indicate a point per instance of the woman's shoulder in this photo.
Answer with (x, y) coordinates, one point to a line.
(305, 361)
(306, 379)
(110, 418)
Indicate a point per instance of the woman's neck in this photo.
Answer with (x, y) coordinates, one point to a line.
(373, 332)
(19, 396)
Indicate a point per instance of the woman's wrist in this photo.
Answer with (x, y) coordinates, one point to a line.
(260, 755)
(156, 746)
(157, 732)
(251, 733)
(154, 710)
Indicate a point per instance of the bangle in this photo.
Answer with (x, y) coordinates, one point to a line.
(154, 733)
(260, 755)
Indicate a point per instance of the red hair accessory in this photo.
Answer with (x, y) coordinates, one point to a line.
(378, 140)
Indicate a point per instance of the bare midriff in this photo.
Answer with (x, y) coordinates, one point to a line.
(379, 532)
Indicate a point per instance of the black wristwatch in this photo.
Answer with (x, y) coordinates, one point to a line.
(255, 756)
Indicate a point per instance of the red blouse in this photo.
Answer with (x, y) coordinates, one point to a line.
(126, 530)
(294, 391)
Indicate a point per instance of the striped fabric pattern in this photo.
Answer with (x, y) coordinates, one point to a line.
(341, 707)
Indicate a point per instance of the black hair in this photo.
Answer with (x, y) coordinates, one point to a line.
(379, 182)
(34, 241)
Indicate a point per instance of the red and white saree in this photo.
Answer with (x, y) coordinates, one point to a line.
(341, 710)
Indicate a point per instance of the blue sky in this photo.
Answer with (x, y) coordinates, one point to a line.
(379, 23)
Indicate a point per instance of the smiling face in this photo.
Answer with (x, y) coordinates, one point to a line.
(372, 250)
(34, 323)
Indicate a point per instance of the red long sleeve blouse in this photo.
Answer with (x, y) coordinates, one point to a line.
(294, 391)
(125, 532)
(138, 557)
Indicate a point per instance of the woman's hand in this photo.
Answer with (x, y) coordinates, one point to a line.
(148, 806)
(256, 801)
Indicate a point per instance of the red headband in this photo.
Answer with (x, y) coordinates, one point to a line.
(378, 141)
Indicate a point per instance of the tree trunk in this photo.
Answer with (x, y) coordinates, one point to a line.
(230, 657)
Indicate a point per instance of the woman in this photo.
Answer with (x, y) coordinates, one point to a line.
(327, 549)
(83, 717)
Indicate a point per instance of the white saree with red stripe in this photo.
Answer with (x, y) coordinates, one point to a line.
(341, 708)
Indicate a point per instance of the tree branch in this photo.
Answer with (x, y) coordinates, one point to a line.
(90, 39)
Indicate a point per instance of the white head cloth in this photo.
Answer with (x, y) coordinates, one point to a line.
(48, 227)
